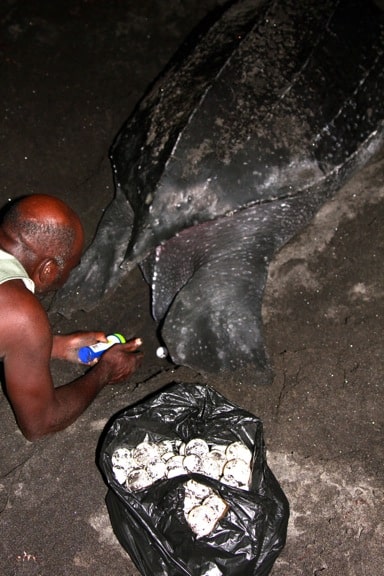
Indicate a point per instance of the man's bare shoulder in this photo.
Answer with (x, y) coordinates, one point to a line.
(15, 290)
(21, 314)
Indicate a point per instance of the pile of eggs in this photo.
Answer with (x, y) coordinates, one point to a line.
(139, 467)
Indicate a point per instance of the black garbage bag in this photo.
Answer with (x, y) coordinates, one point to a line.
(150, 523)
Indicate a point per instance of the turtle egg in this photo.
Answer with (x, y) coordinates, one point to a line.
(146, 453)
(218, 505)
(211, 467)
(192, 463)
(236, 470)
(121, 456)
(175, 462)
(190, 502)
(157, 470)
(238, 450)
(202, 520)
(230, 482)
(138, 479)
(197, 446)
(161, 352)
(173, 472)
(197, 490)
(218, 455)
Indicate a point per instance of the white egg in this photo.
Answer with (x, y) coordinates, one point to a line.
(157, 470)
(121, 457)
(239, 450)
(236, 470)
(174, 472)
(161, 352)
(197, 489)
(218, 455)
(230, 482)
(212, 466)
(138, 479)
(218, 505)
(190, 502)
(197, 446)
(202, 520)
(146, 453)
(192, 463)
(175, 462)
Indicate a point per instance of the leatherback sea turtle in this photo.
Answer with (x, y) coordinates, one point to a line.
(257, 121)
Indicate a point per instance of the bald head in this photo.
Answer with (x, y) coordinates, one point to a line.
(41, 227)
(44, 207)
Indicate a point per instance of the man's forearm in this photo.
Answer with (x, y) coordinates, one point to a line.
(70, 401)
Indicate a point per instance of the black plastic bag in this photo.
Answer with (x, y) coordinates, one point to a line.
(150, 523)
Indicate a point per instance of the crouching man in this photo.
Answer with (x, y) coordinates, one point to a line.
(41, 241)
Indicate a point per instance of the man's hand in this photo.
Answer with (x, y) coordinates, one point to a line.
(119, 362)
(67, 347)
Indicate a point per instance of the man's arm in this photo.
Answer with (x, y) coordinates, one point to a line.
(40, 408)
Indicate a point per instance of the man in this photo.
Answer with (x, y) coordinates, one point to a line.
(41, 241)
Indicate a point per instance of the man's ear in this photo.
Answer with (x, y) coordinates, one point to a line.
(46, 273)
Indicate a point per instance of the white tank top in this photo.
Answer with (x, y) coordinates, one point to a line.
(11, 269)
